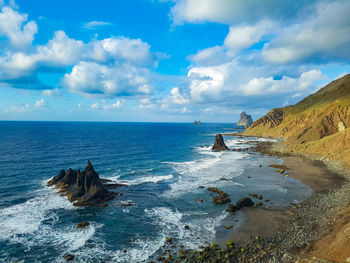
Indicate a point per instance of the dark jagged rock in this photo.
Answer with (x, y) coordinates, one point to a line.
(83, 224)
(82, 188)
(219, 144)
(244, 202)
(256, 196)
(232, 208)
(69, 257)
(245, 120)
(197, 123)
(222, 198)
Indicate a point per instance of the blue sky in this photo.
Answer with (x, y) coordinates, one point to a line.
(179, 60)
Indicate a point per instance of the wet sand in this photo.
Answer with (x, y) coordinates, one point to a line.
(269, 222)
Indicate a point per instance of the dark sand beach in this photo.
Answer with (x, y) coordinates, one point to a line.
(267, 222)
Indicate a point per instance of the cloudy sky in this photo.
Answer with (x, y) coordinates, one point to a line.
(158, 60)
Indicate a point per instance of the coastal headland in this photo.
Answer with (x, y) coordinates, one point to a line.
(315, 148)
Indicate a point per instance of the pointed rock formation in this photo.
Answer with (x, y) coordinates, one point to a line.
(219, 144)
(82, 188)
(245, 120)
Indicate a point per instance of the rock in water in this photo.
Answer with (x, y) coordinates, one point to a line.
(244, 202)
(82, 188)
(219, 144)
(245, 120)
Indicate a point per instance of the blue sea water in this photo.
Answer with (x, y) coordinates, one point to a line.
(162, 164)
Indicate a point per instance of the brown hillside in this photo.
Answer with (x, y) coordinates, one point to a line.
(312, 125)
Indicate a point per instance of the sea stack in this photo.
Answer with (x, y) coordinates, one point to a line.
(219, 144)
(245, 120)
(82, 188)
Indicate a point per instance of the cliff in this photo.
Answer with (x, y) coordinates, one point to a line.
(317, 125)
(245, 120)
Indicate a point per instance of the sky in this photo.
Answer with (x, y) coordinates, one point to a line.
(166, 61)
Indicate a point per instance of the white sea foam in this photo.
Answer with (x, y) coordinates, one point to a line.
(25, 218)
(201, 230)
(207, 171)
(34, 223)
(148, 179)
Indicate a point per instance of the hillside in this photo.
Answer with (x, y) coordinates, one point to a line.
(317, 125)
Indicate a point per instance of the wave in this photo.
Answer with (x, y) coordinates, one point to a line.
(208, 171)
(149, 179)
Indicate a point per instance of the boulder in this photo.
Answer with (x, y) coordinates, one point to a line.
(69, 257)
(219, 144)
(221, 199)
(244, 202)
(232, 208)
(245, 120)
(82, 188)
(83, 224)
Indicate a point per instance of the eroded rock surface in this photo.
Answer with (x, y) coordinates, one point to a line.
(82, 188)
(219, 144)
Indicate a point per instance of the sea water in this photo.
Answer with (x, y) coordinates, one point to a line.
(162, 165)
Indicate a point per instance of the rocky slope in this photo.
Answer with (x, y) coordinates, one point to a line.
(317, 125)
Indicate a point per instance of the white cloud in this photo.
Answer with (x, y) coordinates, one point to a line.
(122, 48)
(17, 108)
(264, 86)
(244, 36)
(95, 24)
(40, 103)
(60, 51)
(176, 97)
(231, 12)
(118, 104)
(324, 35)
(211, 56)
(146, 104)
(95, 106)
(235, 83)
(108, 81)
(15, 27)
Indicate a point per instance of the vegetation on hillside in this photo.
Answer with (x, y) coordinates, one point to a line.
(318, 125)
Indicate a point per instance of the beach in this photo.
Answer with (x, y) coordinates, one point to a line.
(289, 234)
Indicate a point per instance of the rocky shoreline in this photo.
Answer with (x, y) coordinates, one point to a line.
(302, 224)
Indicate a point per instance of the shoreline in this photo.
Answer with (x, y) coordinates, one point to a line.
(266, 222)
(297, 233)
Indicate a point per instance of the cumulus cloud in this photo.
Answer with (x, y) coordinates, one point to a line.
(95, 106)
(211, 56)
(323, 36)
(118, 104)
(264, 86)
(95, 24)
(232, 12)
(244, 36)
(108, 81)
(40, 103)
(16, 28)
(108, 67)
(234, 83)
(122, 48)
(146, 104)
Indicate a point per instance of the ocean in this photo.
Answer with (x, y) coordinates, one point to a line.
(162, 164)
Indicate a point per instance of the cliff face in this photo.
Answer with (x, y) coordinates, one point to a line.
(245, 120)
(316, 125)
